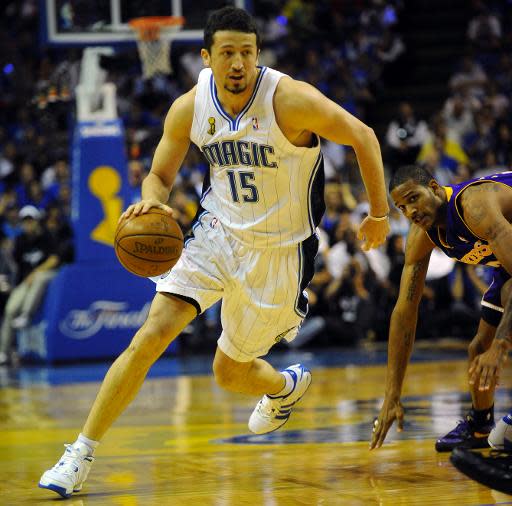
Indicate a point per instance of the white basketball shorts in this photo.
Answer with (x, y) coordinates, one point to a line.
(262, 290)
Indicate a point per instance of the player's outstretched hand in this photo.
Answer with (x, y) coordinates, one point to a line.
(373, 232)
(486, 367)
(143, 206)
(390, 411)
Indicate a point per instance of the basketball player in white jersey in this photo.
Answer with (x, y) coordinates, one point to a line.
(253, 242)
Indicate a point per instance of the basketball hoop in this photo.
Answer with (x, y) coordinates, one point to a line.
(153, 51)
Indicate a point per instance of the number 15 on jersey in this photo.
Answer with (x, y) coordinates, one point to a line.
(240, 183)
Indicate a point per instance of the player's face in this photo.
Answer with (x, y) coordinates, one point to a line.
(420, 205)
(233, 59)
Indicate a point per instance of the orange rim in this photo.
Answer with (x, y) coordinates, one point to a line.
(152, 21)
(148, 27)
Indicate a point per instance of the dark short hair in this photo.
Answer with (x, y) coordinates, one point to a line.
(232, 19)
(416, 173)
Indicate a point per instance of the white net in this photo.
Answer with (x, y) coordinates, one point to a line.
(154, 38)
(155, 56)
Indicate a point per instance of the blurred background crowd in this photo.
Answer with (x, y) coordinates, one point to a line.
(434, 83)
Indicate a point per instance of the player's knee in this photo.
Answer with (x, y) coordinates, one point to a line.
(227, 378)
(223, 378)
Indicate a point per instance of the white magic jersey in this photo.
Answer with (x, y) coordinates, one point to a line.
(264, 190)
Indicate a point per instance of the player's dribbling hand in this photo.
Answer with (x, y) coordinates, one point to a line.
(390, 411)
(373, 233)
(143, 207)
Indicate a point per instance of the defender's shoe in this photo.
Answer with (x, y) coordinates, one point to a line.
(70, 472)
(465, 435)
(273, 412)
(500, 437)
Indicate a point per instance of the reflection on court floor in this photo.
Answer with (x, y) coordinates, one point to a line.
(185, 441)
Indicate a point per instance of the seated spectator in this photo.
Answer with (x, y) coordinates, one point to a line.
(38, 197)
(7, 270)
(54, 177)
(49, 175)
(136, 174)
(477, 143)
(404, 137)
(484, 31)
(469, 80)
(458, 116)
(64, 200)
(390, 53)
(446, 148)
(26, 176)
(503, 73)
(462, 173)
(38, 253)
(503, 144)
(350, 309)
(333, 208)
(184, 208)
(398, 222)
(9, 219)
(8, 156)
(352, 312)
(496, 100)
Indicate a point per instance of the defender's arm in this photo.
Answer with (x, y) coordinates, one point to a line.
(402, 331)
(487, 210)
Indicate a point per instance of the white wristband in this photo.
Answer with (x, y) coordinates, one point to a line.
(378, 218)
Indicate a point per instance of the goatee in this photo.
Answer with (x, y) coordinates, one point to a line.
(235, 91)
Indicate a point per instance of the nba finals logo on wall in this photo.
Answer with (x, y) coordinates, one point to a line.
(102, 315)
(105, 184)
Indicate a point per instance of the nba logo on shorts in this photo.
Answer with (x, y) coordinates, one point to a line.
(255, 125)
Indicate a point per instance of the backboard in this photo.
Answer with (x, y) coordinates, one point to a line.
(89, 22)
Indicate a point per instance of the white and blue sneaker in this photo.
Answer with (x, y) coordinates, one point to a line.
(273, 412)
(500, 437)
(70, 472)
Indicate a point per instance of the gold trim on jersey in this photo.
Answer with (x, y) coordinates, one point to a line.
(441, 240)
(449, 192)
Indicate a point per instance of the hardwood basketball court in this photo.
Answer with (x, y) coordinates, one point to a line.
(184, 441)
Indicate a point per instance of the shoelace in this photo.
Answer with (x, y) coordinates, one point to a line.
(69, 461)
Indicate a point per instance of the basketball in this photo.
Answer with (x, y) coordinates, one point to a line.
(148, 244)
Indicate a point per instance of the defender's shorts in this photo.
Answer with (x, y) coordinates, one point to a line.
(262, 290)
(492, 309)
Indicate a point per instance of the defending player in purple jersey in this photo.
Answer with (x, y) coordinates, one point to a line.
(470, 222)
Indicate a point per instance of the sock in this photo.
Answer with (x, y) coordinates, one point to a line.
(90, 443)
(288, 386)
(482, 417)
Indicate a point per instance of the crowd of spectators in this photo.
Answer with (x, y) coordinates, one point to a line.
(351, 51)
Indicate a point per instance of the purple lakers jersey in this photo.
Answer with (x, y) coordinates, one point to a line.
(457, 240)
